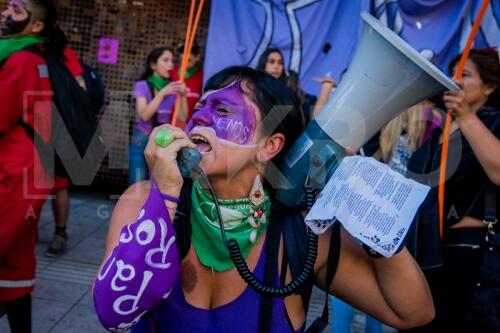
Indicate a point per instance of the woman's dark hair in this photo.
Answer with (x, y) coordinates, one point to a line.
(293, 83)
(152, 58)
(488, 66)
(195, 49)
(46, 12)
(261, 64)
(278, 105)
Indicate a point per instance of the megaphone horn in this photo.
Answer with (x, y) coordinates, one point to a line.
(385, 77)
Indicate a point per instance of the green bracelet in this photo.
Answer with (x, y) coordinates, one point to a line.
(163, 138)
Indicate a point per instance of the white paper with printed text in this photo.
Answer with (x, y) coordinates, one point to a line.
(374, 203)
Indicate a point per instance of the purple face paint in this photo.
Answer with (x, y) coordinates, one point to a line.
(226, 112)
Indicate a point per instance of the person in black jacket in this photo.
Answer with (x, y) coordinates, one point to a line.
(473, 167)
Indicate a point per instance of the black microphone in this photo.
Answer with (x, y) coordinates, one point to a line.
(188, 159)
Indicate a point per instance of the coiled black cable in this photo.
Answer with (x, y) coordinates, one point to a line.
(296, 285)
(309, 196)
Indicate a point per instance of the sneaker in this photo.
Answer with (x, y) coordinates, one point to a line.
(57, 246)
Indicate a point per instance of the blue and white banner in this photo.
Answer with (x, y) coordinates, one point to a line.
(320, 36)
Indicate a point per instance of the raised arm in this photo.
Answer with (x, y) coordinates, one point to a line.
(393, 290)
(327, 84)
(142, 261)
(147, 110)
(183, 105)
(484, 143)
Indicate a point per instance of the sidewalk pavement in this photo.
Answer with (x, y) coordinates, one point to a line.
(62, 300)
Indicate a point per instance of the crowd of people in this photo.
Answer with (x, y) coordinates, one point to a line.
(166, 266)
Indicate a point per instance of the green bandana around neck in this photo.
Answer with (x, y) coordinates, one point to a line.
(157, 82)
(189, 72)
(206, 235)
(10, 45)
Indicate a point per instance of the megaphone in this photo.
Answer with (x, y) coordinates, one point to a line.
(386, 76)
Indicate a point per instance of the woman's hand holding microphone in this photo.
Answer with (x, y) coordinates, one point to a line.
(161, 156)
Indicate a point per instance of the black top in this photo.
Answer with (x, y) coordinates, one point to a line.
(308, 106)
(466, 179)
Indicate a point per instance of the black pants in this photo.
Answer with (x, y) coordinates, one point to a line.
(19, 314)
(453, 283)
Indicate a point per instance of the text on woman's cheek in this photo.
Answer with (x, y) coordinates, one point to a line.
(233, 130)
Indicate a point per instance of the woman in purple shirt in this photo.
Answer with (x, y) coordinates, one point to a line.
(160, 276)
(155, 99)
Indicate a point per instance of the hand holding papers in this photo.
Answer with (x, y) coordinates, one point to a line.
(374, 203)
